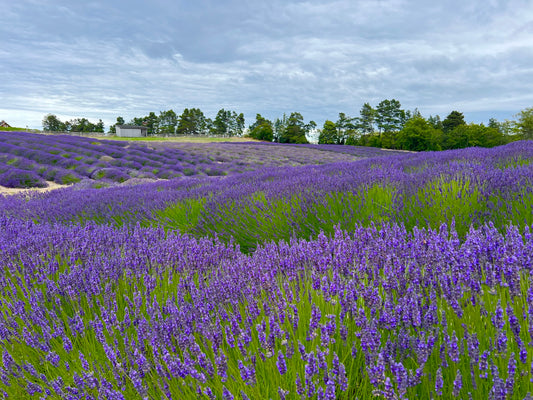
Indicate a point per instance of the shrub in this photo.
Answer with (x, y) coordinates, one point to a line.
(66, 178)
(18, 178)
(112, 174)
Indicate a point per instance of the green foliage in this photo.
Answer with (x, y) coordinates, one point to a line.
(228, 123)
(366, 120)
(470, 135)
(167, 122)
(525, 123)
(295, 129)
(346, 129)
(180, 216)
(453, 120)
(389, 116)
(329, 134)
(418, 135)
(53, 124)
(192, 122)
(261, 129)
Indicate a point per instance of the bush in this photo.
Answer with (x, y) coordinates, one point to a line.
(66, 178)
(111, 174)
(18, 178)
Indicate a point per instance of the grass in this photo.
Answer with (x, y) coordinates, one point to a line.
(255, 219)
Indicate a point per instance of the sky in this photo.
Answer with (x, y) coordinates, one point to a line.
(104, 59)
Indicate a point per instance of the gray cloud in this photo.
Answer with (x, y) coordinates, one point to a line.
(104, 59)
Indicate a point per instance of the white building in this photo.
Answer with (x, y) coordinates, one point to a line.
(131, 130)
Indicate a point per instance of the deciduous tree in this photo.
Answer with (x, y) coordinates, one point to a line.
(53, 124)
(525, 123)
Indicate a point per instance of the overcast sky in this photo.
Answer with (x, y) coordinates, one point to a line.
(103, 59)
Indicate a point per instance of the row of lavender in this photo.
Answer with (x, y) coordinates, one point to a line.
(471, 186)
(388, 311)
(98, 312)
(29, 160)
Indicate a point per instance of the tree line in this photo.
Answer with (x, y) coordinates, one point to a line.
(389, 126)
(386, 125)
(227, 123)
(53, 124)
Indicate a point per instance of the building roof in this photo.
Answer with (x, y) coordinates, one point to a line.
(131, 127)
(4, 124)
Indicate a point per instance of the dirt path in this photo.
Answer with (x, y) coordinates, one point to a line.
(51, 186)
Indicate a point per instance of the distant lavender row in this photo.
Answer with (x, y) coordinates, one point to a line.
(500, 175)
(137, 313)
(28, 160)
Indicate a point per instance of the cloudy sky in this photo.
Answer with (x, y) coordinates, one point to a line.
(109, 58)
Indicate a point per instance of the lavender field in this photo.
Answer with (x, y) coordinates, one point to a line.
(346, 275)
(29, 160)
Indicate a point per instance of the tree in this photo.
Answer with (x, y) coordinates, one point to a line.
(99, 127)
(53, 124)
(222, 123)
(418, 135)
(167, 122)
(259, 120)
(474, 135)
(345, 128)
(228, 123)
(435, 122)
(152, 123)
(279, 127)
(389, 116)
(296, 129)
(113, 128)
(261, 129)
(525, 123)
(366, 120)
(239, 124)
(192, 122)
(454, 119)
(328, 134)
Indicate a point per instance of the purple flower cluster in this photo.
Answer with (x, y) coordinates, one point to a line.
(69, 159)
(155, 308)
(91, 310)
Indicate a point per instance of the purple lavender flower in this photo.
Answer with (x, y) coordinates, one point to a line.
(497, 319)
(484, 365)
(511, 371)
(439, 382)
(280, 363)
(330, 390)
(84, 363)
(453, 348)
(226, 394)
(311, 368)
(282, 393)
(457, 383)
(299, 387)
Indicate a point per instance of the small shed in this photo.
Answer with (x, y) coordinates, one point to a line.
(131, 130)
(4, 124)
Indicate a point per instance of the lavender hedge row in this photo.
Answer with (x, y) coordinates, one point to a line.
(100, 312)
(375, 306)
(472, 186)
(70, 159)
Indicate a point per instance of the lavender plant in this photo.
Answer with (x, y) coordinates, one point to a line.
(406, 276)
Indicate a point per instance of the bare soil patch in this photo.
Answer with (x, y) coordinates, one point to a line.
(51, 186)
